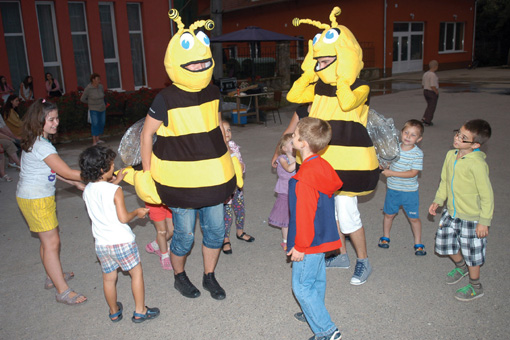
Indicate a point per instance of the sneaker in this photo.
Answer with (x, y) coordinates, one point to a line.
(185, 287)
(335, 335)
(6, 178)
(361, 273)
(300, 316)
(212, 286)
(469, 293)
(338, 261)
(14, 165)
(165, 263)
(150, 249)
(455, 276)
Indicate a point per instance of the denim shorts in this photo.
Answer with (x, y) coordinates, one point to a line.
(454, 234)
(409, 200)
(124, 255)
(211, 221)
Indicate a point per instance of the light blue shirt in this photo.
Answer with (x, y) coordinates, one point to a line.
(409, 160)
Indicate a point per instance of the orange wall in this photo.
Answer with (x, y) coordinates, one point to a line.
(366, 20)
(156, 35)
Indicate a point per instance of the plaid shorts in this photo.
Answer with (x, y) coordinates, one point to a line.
(454, 234)
(124, 255)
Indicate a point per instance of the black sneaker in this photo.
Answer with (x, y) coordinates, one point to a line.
(212, 286)
(185, 287)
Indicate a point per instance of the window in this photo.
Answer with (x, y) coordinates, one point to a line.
(136, 38)
(14, 42)
(451, 37)
(49, 40)
(300, 50)
(80, 39)
(110, 50)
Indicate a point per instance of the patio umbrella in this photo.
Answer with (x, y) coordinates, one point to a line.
(253, 34)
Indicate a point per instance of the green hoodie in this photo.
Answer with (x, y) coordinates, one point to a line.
(465, 183)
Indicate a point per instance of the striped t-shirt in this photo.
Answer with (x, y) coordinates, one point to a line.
(409, 160)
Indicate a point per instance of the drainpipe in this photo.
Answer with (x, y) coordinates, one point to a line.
(170, 6)
(474, 33)
(384, 40)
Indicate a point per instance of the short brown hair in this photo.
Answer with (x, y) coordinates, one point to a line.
(480, 129)
(94, 76)
(316, 132)
(414, 123)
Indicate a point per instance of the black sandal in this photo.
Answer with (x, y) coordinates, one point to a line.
(226, 251)
(240, 237)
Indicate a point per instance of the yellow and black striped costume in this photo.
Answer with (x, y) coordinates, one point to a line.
(190, 163)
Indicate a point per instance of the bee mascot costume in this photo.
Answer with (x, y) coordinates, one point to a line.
(340, 98)
(189, 167)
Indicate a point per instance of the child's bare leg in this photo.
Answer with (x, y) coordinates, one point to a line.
(387, 224)
(169, 228)
(285, 233)
(110, 290)
(457, 258)
(138, 288)
(416, 227)
(474, 272)
(161, 236)
(50, 256)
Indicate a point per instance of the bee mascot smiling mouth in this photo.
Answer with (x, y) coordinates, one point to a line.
(189, 165)
(330, 80)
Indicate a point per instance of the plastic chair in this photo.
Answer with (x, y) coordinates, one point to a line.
(275, 106)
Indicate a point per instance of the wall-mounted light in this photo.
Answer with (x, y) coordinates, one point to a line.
(455, 17)
(412, 16)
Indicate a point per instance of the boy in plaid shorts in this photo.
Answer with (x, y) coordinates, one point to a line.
(115, 242)
(464, 224)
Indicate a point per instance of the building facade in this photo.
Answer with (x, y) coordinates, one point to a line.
(125, 41)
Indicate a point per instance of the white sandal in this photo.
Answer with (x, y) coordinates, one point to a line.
(6, 178)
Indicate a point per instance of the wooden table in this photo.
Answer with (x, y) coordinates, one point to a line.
(238, 102)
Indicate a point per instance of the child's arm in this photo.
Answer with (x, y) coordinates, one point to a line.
(289, 166)
(79, 185)
(119, 177)
(403, 174)
(482, 230)
(61, 168)
(432, 209)
(122, 213)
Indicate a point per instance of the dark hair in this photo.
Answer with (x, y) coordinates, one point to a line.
(6, 110)
(95, 161)
(27, 84)
(414, 123)
(33, 122)
(316, 132)
(2, 83)
(94, 76)
(480, 129)
(46, 75)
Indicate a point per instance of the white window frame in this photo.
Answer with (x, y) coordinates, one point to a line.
(116, 45)
(58, 62)
(22, 34)
(86, 33)
(444, 50)
(140, 32)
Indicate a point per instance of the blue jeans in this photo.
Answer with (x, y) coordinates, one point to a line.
(211, 221)
(309, 286)
(97, 120)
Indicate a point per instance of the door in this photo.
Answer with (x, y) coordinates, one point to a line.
(407, 47)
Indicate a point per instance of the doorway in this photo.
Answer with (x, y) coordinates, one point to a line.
(407, 47)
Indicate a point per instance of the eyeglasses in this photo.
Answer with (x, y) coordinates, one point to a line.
(461, 137)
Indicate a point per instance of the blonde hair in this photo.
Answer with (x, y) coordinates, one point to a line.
(284, 140)
(316, 132)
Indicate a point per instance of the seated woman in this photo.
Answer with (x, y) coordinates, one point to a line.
(10, 115)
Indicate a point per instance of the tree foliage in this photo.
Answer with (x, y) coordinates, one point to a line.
(493, 32)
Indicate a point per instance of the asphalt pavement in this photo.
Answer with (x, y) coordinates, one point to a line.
(405, 297)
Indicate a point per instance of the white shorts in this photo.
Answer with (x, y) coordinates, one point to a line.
(347, 213)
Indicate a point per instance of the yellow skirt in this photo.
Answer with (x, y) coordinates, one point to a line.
(40, 213)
